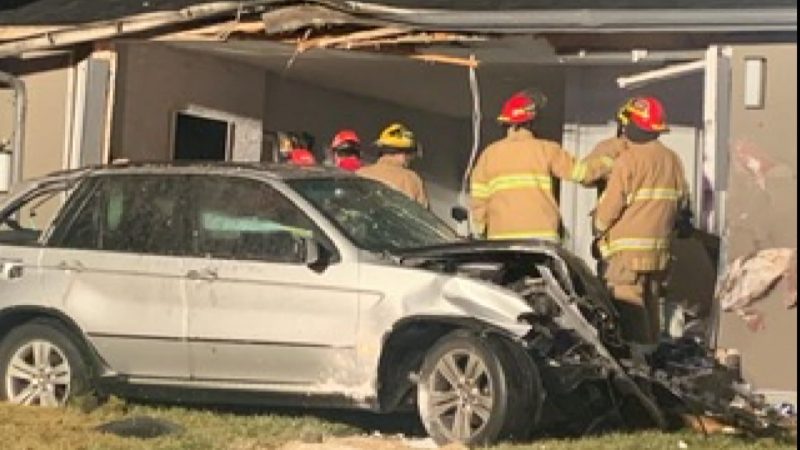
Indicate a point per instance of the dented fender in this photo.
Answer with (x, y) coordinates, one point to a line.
(488, 303)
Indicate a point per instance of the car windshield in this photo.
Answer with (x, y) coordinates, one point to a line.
(373, 216)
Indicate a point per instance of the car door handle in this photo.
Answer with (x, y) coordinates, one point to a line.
(10, 270)
(74, 266)
(202, 274)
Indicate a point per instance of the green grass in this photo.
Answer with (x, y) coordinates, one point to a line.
(32, 428)
(37, 428)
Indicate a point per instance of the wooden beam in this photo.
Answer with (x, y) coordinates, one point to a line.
(421, 38)
(215, 32)
(9, 33)
(343, 41)
(470, 62)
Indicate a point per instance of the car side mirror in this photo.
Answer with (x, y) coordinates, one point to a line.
(459, 213)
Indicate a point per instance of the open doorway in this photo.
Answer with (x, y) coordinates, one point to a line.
(201, 138)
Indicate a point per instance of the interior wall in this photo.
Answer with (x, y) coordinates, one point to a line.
(761, 211)
(155, 81)
(294, 104)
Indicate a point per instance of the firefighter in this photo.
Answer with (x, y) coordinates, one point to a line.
(635, 217)
(293, 148)
(397, 146)
(594, 168)
(512, 182)
(346, 150)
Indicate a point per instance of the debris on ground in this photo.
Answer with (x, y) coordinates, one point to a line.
(367, 443)
(707, 425)
(142, 427)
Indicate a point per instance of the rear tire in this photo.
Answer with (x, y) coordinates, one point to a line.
(40, 365)
(469, 391)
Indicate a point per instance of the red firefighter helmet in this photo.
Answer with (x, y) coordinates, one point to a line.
(345, 138)
(647, 113)
(521, 107)
(301, 157)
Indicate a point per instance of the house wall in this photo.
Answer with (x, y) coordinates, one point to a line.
(48, 81)
(761, 211)
(154, 82)
(6, 114)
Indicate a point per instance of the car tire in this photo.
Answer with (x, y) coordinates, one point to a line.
(41, 365)
(469, 391)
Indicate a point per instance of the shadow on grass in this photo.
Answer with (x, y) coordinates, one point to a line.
(407, 424)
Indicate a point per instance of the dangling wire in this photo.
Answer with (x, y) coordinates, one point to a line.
(476, 133)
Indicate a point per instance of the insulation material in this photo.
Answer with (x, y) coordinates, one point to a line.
(293, 18)
(751, 278)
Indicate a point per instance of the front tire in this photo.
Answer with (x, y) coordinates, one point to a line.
(467, 393)
(40, 365)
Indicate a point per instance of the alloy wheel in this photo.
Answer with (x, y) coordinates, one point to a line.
(461, 394)
(38, 373)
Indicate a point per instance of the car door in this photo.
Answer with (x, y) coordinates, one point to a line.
(257, 314)
(115, 264)
(24, 222)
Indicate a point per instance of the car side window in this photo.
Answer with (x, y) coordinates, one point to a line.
(25, 222)
(132, 213)
(239, 218)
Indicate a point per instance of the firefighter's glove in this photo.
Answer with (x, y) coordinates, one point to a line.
(683, 224)
(595, 249)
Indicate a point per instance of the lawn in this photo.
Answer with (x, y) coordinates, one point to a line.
(67, 429)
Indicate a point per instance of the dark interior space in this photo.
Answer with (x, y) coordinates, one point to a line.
(200, 139)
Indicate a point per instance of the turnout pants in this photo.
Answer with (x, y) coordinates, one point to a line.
(637, 296)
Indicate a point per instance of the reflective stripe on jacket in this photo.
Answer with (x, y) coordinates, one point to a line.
(512, 187)
(637, 211)
(393, 174)
(597, 165)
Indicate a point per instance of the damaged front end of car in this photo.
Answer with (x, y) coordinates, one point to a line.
(593, 379)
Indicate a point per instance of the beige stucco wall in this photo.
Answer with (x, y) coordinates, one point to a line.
(47, 79)
(6, 113)
(46, 118)
(762, 210)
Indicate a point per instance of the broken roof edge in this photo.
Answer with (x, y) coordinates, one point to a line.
(137, 23)
(574, 21)
(490, 22)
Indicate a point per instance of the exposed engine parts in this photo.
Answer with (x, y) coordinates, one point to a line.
(593, 379)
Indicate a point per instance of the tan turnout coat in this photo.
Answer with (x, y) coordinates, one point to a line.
(637, 211)
(396, 176)
(512, 187)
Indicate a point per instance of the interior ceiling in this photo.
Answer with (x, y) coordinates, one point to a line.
(436, 87)
(356, 73)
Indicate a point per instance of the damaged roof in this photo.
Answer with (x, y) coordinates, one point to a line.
(480, 5)
(63, 12)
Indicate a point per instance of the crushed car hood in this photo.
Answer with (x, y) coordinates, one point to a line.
(573, 275)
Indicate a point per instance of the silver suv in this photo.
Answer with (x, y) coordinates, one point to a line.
(276, 285)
